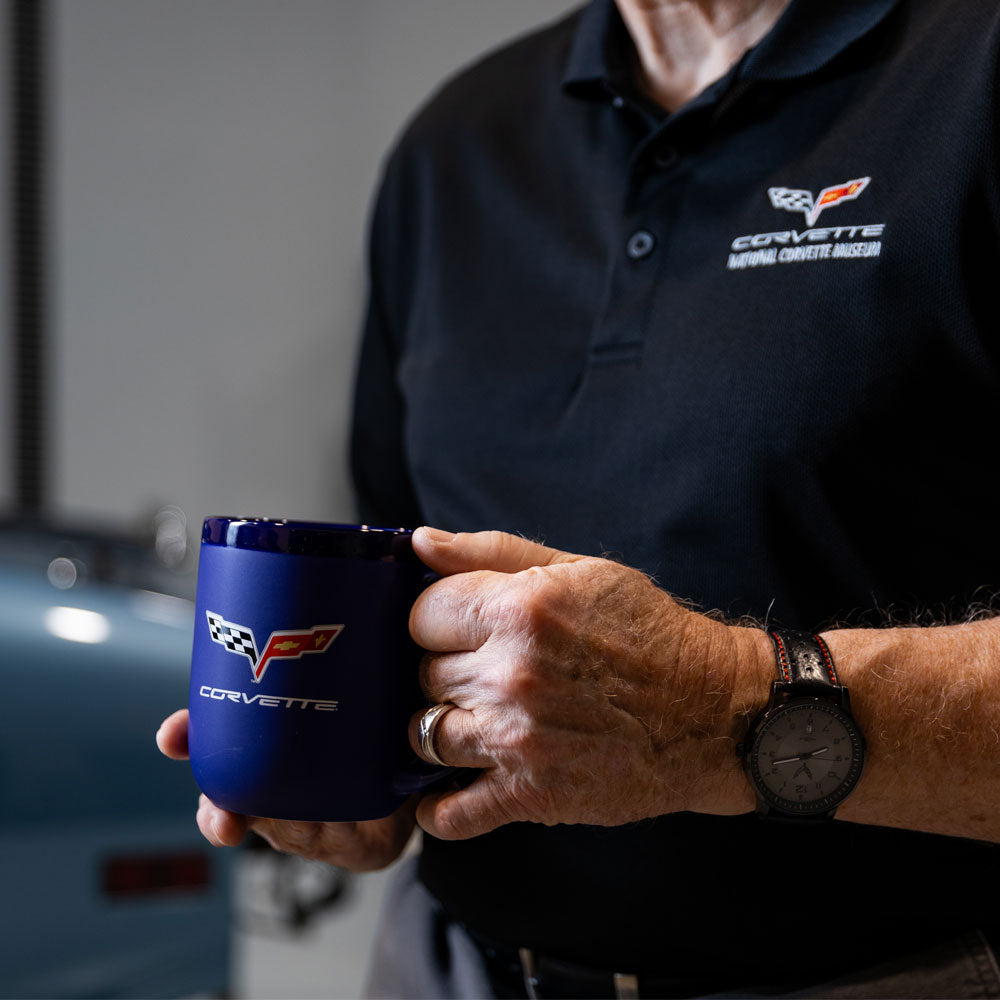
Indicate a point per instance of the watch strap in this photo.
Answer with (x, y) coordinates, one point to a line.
(804, 661)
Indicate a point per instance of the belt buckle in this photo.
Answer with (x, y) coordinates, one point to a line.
(530, 973)
(626, 986)
(626, 983)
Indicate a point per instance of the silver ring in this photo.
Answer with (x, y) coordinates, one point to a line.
(428, 723)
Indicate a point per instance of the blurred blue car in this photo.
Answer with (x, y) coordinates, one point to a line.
(108, 890)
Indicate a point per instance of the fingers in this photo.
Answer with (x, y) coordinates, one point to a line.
(480, 589)
(458, 814)
(459, 612)
(172, 736)
(308, 840)
(220, 827)
(457, 677)
(457, 739)
(364, 846)
(448, 553)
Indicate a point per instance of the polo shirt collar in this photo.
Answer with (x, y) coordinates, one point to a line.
(601, 54)
(808, 35)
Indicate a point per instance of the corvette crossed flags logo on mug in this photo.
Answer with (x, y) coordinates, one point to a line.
(282, 644)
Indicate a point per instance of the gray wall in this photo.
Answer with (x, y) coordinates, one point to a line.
(214, 163)
(5, 395)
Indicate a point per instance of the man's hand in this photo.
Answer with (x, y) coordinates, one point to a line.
(358, 847)
(585, 693)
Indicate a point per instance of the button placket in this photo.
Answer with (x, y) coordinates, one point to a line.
(620, 328)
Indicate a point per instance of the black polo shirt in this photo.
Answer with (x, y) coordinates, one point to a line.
(749, 347)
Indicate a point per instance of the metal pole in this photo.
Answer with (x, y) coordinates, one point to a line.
(27, 238)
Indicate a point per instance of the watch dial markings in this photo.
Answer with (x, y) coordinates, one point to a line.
(782, 762)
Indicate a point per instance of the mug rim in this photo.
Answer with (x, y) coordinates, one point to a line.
(313, 538)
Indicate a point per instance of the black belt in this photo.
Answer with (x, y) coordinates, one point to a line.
(523, 973)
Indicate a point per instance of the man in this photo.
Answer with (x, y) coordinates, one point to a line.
(708, 286)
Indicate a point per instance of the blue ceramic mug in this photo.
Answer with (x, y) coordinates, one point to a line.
(303, 672)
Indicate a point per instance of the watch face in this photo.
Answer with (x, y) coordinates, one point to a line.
(806, 756)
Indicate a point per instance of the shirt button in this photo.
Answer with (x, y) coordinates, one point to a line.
(618, 102)
(640, 244)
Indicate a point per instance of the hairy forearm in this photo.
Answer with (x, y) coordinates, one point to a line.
(928, 701)
(585, 694)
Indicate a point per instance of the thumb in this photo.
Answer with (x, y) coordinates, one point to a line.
(447, 553)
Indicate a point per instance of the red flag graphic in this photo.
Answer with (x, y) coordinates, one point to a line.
(295, 643)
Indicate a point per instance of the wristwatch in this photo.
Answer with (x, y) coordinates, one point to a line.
(804, 752)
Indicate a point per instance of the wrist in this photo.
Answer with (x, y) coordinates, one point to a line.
(755, 673)
(746, 656)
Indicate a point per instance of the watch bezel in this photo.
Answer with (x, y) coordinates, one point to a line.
(768, 801)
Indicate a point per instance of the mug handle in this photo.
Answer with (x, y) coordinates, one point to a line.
(420, 775)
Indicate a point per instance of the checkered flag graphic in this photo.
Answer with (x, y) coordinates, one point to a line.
(235, 638)
(791, 200)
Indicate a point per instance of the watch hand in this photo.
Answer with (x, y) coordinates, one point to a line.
(801, 756)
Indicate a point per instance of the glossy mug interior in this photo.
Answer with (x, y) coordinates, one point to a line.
(303, 672)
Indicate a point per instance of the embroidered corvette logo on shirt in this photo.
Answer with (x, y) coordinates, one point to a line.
(814, 243)
(793, 200)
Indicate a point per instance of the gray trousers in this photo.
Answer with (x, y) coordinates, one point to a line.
(419, 953)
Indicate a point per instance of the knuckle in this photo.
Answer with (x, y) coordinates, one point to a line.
(521, 741)
(500, 738)
(538, 599)
(423, 609)
(523, 682)
(473, 611)
(525, 798)
(424, 672)
(496, 544)
(463, 732)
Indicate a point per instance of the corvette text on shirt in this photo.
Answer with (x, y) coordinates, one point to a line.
(791, 246)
